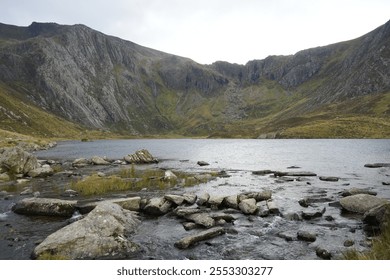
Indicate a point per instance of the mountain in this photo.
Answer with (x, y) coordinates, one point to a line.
(84, 78)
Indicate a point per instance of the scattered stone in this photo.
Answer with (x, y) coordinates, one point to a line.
(329, 218)
(176, 199)
(378, 216)
(231, 201)
(103, 233)
(304, 202)
(292, 216)
(262, 172)
(287, 235)
(309, 215)
(215, 201)
(45, 207)
(202, 163)
(81, 162)
(141, 157)
(349, 243)
(377, 165)
(248, 206)
(361, 203)
(262, 209)
(184, 211)
(189, 226)
(41, 172)
(354, 191)
(284, 179)
(272, 207)
(264, 195)
(203, 199)
(201, 236)
(17, 161)
(128, 203)
(329, 179)
(294, 174)
(223, 216)
(306, 236)
(202, 219)
(223, 174)
(157, 206)
(190, 198)
(96, 160)
(169, 176)
(323, 253)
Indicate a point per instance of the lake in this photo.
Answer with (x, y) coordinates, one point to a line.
(252, 237)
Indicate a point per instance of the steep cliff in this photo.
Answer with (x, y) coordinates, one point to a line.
(103, 82)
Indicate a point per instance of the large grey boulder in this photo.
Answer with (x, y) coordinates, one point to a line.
(103, 233)
(361, 203)
(200, 236)
(378, 216)
(353, 191)
(202, 219)
(157, 206)
(231, 201)
(141, 157)
(248, 206)
(17, 161)
(45, 207)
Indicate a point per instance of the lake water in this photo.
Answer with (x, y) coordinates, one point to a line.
(253, 237)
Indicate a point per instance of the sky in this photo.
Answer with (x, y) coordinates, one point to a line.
(210, 30)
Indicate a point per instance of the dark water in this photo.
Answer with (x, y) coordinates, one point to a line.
(254, 237)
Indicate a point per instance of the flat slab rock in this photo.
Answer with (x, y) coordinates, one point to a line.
(187, 241)
(45, 207)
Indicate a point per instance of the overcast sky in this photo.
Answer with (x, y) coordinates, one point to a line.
(209, 30)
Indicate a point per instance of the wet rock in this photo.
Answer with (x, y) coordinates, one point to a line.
(203, 199)
(69, 193)
(378, 216)
(96, 160)
(248, 206)
(354, 191)
(3, 193)
(223, 174)
(81, 162)
(223, 216)
(103, 233)
(386, 183)
(128, 203)
(200, 236)
(17, 161)
(141, 157)
(304, 202)
(189, 226)
(295, 174)
(262, 209)
(185, 211)
(309, 215)
(202, 219)
(292, 216)
(284, 179)
(45, 207)
(203, 177)
(264, 195)
(329, 179)
(42, 172)
(377, 165)
(288, 235)
(190, 198)
(262, 172)
(27, 191)
(323, 253)
(22, 181)
(202, 163)
(306, 236)
(361, 203)
(349, 243)
(272, 207)
(176, 199)
(157, 206)
(231, 201)
(169, 176)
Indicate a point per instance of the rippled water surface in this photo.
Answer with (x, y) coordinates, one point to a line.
(249, 237)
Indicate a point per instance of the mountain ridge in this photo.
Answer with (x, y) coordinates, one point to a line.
(103, 82)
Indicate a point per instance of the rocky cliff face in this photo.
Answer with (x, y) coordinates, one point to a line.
(101, 81)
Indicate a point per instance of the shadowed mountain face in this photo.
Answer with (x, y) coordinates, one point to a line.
(102, 82)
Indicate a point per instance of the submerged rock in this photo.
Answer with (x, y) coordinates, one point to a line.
(200, 236)
(103, 233)
(377, 165)
(295, 174)
(45, 207)
(361, 203)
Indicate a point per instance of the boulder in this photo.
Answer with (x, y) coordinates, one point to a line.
(157, 206)
(200, 236)
(378, 215)
(184, 211)
(309, 215)
(202, 163)
(215, 201)
(141, 157)
(323, 253)
(81, 162)
(176, 199)
(306, 236)
(272, 207)
(17, 161)
(45, 207)
(189, 226)
(361, 203)
(262, 209)
(96, 160)
(103, 233)
(231, 201)
(354, 191)
(203, 199)
(4, 177)
(190, 198)
(248, 206)
(42, 172)
(202, 219)
(169, 176)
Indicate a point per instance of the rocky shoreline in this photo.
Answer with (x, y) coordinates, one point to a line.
(108, 225)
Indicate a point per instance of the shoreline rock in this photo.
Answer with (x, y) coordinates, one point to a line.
(141, 157)
(45, 207)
